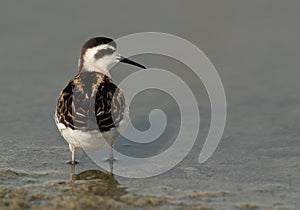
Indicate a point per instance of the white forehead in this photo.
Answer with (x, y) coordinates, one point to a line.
(104, 46)
(90, 53)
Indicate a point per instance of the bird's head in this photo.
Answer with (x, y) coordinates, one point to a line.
(99, 53)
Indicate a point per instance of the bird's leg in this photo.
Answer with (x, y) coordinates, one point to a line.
(72, 149)
(111, 160)
(73, 175)
(111, 154)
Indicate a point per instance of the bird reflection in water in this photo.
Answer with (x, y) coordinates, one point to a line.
(97, 182)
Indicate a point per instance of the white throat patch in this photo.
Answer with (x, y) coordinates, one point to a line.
(91, 63)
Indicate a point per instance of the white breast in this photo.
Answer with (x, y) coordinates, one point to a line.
(91, 140)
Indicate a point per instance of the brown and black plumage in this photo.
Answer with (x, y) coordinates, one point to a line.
(90, 110)
(90, 101)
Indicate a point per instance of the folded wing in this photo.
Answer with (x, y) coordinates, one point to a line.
(90, 101)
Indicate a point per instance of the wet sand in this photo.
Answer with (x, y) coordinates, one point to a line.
(91, 189)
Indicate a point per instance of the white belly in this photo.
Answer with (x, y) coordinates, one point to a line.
(91, 140)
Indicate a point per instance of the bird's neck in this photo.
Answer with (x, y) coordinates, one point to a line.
(95, 68)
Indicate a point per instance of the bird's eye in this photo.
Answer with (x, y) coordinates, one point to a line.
(103, 52)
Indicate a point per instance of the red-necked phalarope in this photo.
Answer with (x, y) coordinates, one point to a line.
(91, 107)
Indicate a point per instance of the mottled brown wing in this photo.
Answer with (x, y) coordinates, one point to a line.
(64, 112)
(89, 102)
(109, 105)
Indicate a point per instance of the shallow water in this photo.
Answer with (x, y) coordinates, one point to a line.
(253, 45)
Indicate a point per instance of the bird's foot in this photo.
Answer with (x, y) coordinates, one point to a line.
(111, 159)
(72, 162)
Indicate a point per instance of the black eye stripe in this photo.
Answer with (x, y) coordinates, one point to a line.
(103, 52)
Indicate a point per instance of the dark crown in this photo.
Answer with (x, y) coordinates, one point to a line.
(96, 41)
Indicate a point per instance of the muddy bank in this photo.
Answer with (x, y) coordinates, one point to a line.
(90, 189)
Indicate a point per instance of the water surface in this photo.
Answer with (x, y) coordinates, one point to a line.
(253, 45)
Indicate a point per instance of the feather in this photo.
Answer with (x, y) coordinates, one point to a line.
(90, 101)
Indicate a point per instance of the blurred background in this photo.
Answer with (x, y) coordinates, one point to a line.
(254, 46)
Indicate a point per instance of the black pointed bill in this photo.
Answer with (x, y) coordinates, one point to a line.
(128, 61)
